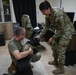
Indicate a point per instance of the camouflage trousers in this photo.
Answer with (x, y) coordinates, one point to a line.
(59, 47)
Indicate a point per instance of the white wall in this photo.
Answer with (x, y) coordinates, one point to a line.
(40, 17)
(12, 12)
(68, 5)
(56, 3)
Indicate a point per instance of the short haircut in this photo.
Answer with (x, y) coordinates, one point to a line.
(19, 31)
(44, 5)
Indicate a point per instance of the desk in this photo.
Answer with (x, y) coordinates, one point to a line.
(7, 28)
(72, 44)
(71, 52)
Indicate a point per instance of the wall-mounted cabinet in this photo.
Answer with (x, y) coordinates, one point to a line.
(5, 11)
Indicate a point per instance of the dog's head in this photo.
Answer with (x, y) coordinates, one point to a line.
(34, 42)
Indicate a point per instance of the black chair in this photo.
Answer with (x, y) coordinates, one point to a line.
(2, 39)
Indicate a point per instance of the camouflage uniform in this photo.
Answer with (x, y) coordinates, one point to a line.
(64, 30)
(27, 25)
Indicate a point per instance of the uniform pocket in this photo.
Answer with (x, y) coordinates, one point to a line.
(64, 41)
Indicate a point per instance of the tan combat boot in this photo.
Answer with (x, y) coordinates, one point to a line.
(11, 68)
(59, 70)
(53, 63)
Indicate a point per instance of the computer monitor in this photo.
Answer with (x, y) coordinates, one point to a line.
(75, 25)
(71, 15)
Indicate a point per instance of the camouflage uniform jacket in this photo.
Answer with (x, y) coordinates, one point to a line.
(63, 25)
(28, 26)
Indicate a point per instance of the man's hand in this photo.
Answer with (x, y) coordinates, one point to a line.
(30, 50)
(50, 40)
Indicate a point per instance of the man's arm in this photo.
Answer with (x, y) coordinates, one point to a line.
(60, 26)
(15, 52)
(19, 55)
(47, 25)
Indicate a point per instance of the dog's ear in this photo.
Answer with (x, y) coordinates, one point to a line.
(34, 42)
(31, 42)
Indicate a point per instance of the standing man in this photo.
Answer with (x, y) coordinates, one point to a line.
(61, 38)
(15, 47)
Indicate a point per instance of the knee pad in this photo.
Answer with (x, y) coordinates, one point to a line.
(35, 57)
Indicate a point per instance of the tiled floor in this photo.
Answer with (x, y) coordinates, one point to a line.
(3, 49)
(46, 56)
